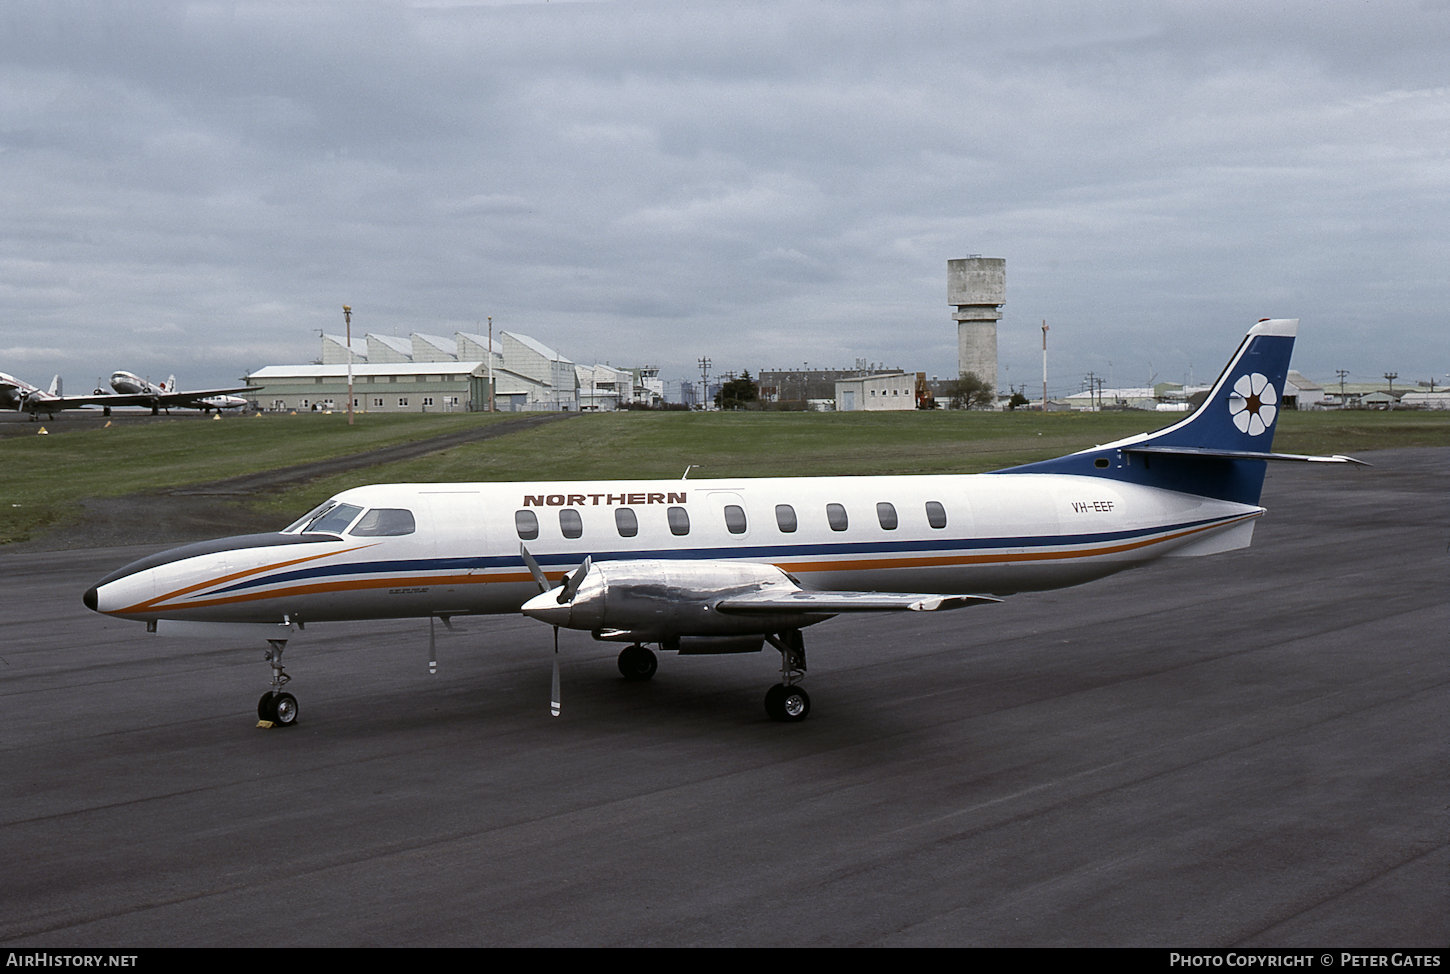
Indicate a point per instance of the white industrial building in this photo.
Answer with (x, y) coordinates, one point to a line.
(430, 373)
(896, 390)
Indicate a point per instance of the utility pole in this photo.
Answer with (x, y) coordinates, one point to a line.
(704, 381)
(490, 364)
(1341, 373)
(1044, 365)
(347, 316)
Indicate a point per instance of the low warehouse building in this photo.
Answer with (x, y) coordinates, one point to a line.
(393, 387)
(877, 392)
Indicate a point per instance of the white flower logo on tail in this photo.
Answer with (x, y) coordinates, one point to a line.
(1252, 404)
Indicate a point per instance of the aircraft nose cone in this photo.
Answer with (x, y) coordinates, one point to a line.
(546, 608)
(91, 598)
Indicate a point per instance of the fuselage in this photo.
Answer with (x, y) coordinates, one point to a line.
(19, 394)
(127, 383)
(402, 550)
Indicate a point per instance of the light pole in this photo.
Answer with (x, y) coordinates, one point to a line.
(347, 316)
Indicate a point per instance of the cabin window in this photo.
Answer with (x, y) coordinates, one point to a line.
(836, 517)
(335, 520)
(571, 525)
(886, 514)
(679, 521)
(526, 523)
(785, 518)
(735, 518)
(936, 514)
(626, 522)
(385, 522)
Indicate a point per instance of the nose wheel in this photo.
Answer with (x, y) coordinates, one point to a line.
(279, 708)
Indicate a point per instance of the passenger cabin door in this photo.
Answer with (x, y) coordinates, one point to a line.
(727, 512)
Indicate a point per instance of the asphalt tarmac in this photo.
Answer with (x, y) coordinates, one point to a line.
(1243, 750)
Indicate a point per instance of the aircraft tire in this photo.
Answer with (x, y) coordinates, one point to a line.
(787, 704)
(637, 664)
(280, 709)
(286, 710)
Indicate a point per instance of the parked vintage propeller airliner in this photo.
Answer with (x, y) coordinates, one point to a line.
(714, 566)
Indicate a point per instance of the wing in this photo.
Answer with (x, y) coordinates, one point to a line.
(764, 603)
(196, 395)
(656, 599)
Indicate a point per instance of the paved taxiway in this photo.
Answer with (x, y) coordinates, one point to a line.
(1248, 749)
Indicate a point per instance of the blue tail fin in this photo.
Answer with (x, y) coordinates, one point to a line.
(1222, 448)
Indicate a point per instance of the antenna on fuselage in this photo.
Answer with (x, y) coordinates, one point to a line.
(686, 474)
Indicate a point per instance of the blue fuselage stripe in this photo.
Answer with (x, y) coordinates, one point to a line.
(766, 553)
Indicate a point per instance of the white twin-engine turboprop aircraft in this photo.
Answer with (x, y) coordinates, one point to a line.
(716, 566)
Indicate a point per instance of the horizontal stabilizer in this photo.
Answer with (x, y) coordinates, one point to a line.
(1198, 451)
(806, 601)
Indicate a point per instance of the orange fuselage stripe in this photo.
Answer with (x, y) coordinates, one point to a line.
(366, 584)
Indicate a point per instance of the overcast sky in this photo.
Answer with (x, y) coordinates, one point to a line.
(199, 187)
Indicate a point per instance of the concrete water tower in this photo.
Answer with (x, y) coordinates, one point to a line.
(977, 286)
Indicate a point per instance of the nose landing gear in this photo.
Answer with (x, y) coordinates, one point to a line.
(276, 707)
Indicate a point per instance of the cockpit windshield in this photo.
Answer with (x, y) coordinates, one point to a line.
(296, 525)
(329, 517)
(333, 518)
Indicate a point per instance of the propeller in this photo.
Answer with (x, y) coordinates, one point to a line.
(566, 595)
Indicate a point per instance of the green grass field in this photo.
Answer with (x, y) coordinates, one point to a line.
(46, 477)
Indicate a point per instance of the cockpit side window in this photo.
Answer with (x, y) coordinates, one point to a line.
(334, 520)
(385, 522)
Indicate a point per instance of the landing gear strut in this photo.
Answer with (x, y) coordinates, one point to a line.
(788, 701)
(275, 706)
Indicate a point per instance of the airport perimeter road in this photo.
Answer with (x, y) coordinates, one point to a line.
(1248, 749)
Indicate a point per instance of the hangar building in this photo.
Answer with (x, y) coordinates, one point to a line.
(428, 373)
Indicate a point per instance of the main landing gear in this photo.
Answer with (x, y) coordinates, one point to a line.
(637, 664)
(276, 706)
(786, 702)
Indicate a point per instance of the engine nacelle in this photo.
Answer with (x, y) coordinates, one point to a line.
(661, 600)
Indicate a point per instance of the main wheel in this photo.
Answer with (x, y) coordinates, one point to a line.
(787, 704)
(637, 663)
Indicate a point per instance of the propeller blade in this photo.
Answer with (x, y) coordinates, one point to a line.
(572, 582)
(554, 700)
(535, 570)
